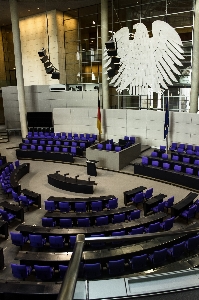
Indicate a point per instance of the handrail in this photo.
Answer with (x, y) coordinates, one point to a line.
(69, 282)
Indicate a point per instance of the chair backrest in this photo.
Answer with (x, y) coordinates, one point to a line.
(178, 249)
(72, 240)
(190, 152)
(99, 146)
(62, 271)
(138, 262)
(102, 221)
(47, 222)
(189, 147)
(139, 230)
(155, 163)
(42, 142)
(74, 144)
(189, 171)
(116, 267)
(64, 206)
(154, 154)
(168, 224)
(180, 150)
(48, 148)
(186, 160)
(149, 193)
(24, 147)
(191, 212)
(165, 156)
(145, 160)
(43, 272)
(19, 271)
(159, 256)
(56, 149)
(109, 147)
(80, 206)
(163, 148)
(135, 214)
(64, 150)
(119, 218)
(83, 222)
(177, 168)
(58, 143)
(96, 205)
(92, 271)
(161, 206)
(113, 203)
(118, 149)
(49, 205)
(82, 145)
(196, 162)
(56, 241)
(36, 240)
(175, 157)
(170, 201)
(192, 243)
(73, 150)
(118, 233)
(139, 197)
(32, 147)
(182, 146)
(17, 238)
(173, 146)
(4, 215)
(154, 227)
(166, 166)
(65, 223)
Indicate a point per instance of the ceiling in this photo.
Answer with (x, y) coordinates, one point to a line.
(31, 7)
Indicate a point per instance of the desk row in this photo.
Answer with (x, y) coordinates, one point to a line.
(65, 149)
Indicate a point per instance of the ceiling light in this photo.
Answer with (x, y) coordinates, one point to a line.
(69, 8)
(28, 9)
(37, 7)
(93, 22)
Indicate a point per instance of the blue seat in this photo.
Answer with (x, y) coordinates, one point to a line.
(36, 241)
(112, 203)
(148, 194)
(80, 206)
(192, 243)
(48, 148)
(102, 221)
(158, 257)
(56, 242)
(32, 147)
(49, 206)
(138, 198)
(126, 138)
(159, 207)
(175, 157)
(42, 142)
(44, 273)
(24, 147)
(25, 201)
(56, 149)
(96, 205)
(108, 147)
(15, 197)
(72, 240)
(173, 146)
(116, 267)
(145, 160)
(119, 218)
(196, 162)
(58, 143)
(64, 207)
(190, 213)
(118, 233)
(99, 146)
(154, 154)
(189, 147)
(62, 271)
(66, 143)
(18, 239)
(162, 148)
(190, 152)
(155, 163)
(65, 150)
(169, 202)
(73, 151)
(138, 263)
(65, 223)
(189, 171)
(50, 142)
(17, 163)
(177, 168)
(74, 144)
(139, 230)
(40, 148)
(166, 166)
(134, 215)
(20, 271)
(92, 271)
(118, 149)
(132, 139)
(48, 222)
(186, 160)
(7, 216)
(165, 156)
(83, 222)
(82, 145)
(153, 228)
(167, 224)
(180, 150)
(177, 250)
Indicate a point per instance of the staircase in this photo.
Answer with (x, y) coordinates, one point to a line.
(4, 137)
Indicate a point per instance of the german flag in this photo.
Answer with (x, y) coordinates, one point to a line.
(99, 118)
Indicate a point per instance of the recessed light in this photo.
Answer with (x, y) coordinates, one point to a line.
(37, 7)
(69, 8)
(93, 22)
(28, 9)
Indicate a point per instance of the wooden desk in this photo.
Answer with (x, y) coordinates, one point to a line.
(183, 204)
(17, 174)
(91, 215)
(44, 155)
(106, 229)
(14, 209)
(4, 228)
(150, 203)
(88, 200)
(129, 194)
(71, 184)
(33, 196)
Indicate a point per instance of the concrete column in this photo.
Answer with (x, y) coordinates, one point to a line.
(195, 63)
(18, 65)
(104, 39)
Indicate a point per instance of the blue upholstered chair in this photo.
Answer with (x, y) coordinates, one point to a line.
(165, 156)
(48, 222)
(158, 208)
(186, 160)
(158, 257)
(62, 271)
(96, 205)
(119, 218)
(189, 171)
(73, 151)
(138, 198)
(173, 147)
(155, 163)
(166, 166)
(116, 267)
(65, 223)
(48, 148)
(175, 157)
(18, 239)
(56, 242)
(162, 148)
(37, 241)
(145, 160)
(138, 263)
(118, 149)
(167, 224)
(118, 233)
(169, 202)
(108, 147)
(99, 146)
(177, 168)
(148, 194)
(72, 241)
(80, 206)
(15, 197)
(139, 230)
(134, 215)
(100, 221)
(190, 213)
(177, 250)
(25, 201)
(20, 271)
(49, 206)
(24, 147)
(153, 228)
(112, 203)
(83, 222)
(192, 243)
(7, 216)
(64, 207)
(44, 273)
(154, 154)
(92, 271)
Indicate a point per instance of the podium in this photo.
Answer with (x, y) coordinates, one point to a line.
(91, 167)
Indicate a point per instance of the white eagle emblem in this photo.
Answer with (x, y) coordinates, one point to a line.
(146, 63)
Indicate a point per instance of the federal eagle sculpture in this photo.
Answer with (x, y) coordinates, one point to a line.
(146, 63)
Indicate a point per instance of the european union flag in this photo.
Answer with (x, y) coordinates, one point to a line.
(166, 122)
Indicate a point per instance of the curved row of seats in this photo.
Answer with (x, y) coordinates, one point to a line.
(71, 150)
(189, 149)
(62, 135)
(114, 267)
